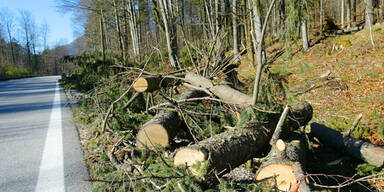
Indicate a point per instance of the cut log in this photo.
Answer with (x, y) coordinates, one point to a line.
(286, 165)
(349, 30)
(153, 83)
(164, 126)
(370, 153)
(222, 91)
(234, 147)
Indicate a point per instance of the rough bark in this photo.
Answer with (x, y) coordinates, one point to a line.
(365, 151)
(246, 143)
(162, 128)
(222, 91)
(286, 165)
(152, 83)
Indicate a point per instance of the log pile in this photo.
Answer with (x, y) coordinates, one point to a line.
(285, 144)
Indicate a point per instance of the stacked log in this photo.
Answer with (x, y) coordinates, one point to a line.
(234, 147)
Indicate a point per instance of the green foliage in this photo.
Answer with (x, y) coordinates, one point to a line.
(90, 68)
(11, 70)
(367, 169)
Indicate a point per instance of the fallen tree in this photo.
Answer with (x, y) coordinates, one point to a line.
(222, 91)
(164, 126)
(342, 142)
(232, 148)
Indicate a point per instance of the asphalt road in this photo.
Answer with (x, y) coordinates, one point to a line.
(39, 144)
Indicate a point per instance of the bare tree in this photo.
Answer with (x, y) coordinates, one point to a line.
(25, 23)
(260, 64)
(235, 36)
(9, 25)
(169, 18)
(304, 28)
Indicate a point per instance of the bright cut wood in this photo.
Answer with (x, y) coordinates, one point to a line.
(152, 83)
(164, 126)
(140, 85)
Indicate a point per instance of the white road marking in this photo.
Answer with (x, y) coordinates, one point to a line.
(51, 175)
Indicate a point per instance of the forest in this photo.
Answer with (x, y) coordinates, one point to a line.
(219, 95)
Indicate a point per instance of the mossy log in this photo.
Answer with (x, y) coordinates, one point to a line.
(285, 162)
(222, 91)
(152, 83)
(368, 152)
(164, 126)
(234, 147)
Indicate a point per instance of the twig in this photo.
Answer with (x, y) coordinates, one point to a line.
(134, 179)
(349, 181)
(355, 123)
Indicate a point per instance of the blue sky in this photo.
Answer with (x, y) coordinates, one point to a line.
(60, 25)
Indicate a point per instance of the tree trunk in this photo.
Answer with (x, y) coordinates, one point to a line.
(224, 92)
(118, 30)
(304, 30)
(348, 14)
(342, 14)
(162, 128)
(102, 35)
(370, 18)
(260, 53)
(246, 143)
(170, 32)
(354, 14)
(235, 36)
(321, 17)
(365, 151)
(286, 163)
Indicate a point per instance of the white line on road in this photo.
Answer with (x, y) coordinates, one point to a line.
(51, 175)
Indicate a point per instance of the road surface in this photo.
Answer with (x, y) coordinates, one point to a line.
(39, 144)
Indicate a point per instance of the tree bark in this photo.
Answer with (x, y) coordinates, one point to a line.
(162, 128)
(222, 91)
(304, 30)
(286, 165)
(235, 36)
(246, 143)
(365, 151)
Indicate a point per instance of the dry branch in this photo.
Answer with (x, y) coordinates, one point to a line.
(164, 126)
(235, 146)
(363, 150)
